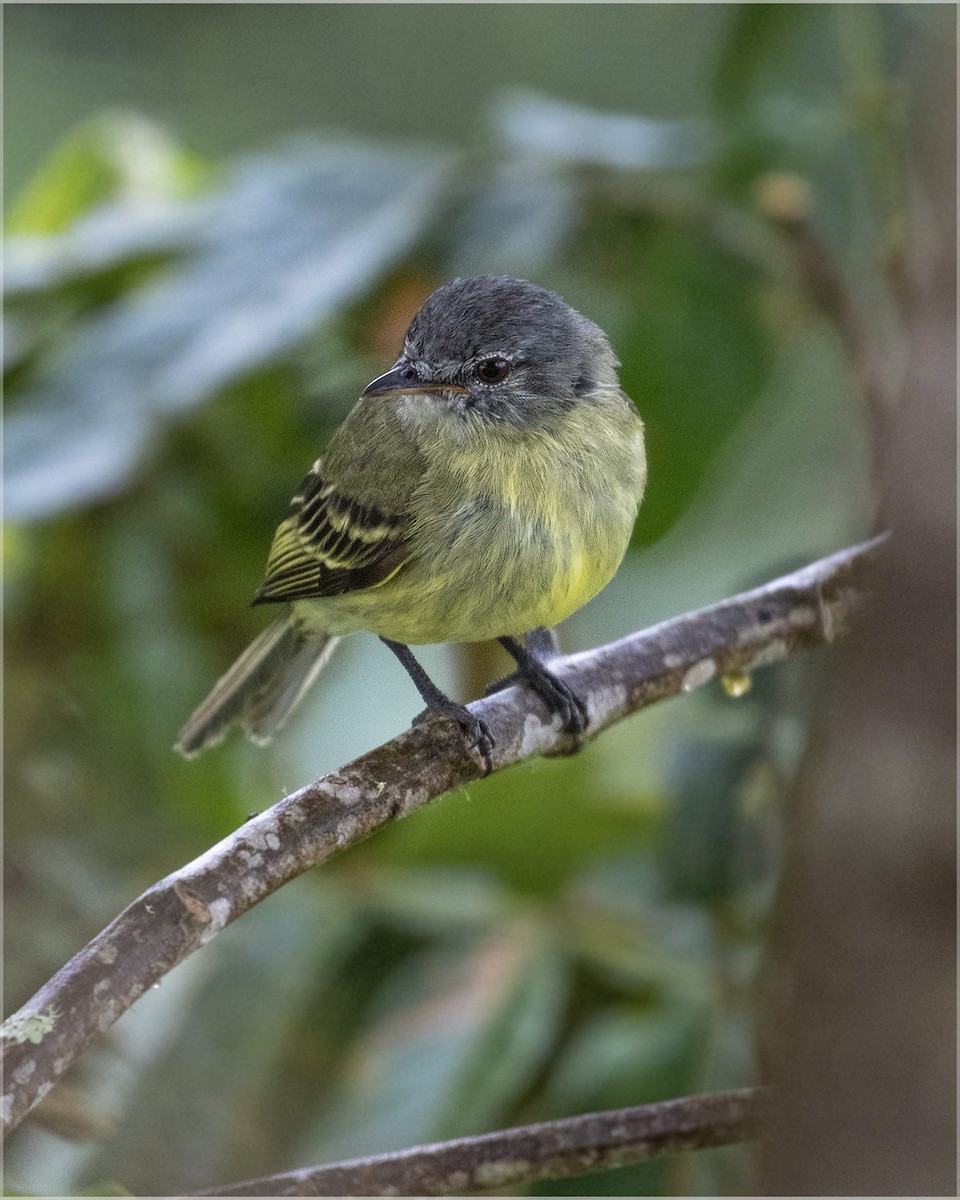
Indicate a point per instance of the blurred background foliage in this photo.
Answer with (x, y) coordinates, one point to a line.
(219, 220)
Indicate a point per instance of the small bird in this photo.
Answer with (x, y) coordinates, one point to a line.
(484, 487)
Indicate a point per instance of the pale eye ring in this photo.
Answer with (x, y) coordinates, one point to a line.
(492, 370)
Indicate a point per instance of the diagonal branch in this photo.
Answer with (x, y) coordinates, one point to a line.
(523, 1155)
(179, 914)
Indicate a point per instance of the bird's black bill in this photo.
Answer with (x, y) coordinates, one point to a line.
(404, 378)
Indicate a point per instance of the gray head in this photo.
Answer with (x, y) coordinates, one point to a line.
(501, 349)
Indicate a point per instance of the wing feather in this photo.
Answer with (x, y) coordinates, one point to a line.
(329, 543)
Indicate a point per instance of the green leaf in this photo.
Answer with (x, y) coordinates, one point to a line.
(510, 1049)
(119, 156)
(625, 1055)
(620, 930)
(461, 1030)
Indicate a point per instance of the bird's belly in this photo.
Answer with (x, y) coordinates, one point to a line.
(490, 574)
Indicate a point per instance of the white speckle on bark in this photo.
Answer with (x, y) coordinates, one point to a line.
(107, 1015)
(107, 953)
(261, 834)
(219, 915)
(349, 793)
(496, 1174)
(803, 616)
(24, 1071)
(699, 674)
(672, 661)
(613, 698)
(531, 736)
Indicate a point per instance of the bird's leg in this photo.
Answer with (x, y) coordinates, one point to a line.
(478, 734)
(543, 644)
(551, 690)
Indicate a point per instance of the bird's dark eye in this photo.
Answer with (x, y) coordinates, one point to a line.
(492, 370)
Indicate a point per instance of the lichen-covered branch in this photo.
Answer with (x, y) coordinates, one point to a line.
(517, 1157)
(179, 914)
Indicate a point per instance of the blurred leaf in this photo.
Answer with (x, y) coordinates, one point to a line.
(622, 1056)
(512, 1047)
(433, 900)
(756, 37)
(417, 1073)
(631, 1055)
(61, 456)
(117, 157)
(534, 124)
(115, 234)
(515, 220)
(291, 237)
(692, 378)
(68, 1113)
(619, 928)
(704, 855)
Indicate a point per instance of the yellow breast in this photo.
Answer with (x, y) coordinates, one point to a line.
(507, 535)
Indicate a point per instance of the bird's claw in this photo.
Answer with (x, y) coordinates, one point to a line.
(573, 712)
(481, 739)
(478, 735)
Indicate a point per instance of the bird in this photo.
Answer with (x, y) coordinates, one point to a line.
(484, 487)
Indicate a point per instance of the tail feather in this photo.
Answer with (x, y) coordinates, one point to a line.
(260, 690)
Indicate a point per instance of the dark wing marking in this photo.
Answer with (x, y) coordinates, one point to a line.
(329, 544)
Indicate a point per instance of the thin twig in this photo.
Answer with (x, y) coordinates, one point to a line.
(528, 1153)
(179, 914)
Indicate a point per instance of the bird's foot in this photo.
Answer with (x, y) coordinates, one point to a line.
(558, 697)
(478, 736)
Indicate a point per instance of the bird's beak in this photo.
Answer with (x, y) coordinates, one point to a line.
(404, 379)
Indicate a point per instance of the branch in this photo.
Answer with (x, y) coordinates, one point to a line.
(179, 914)
(517, 1157)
